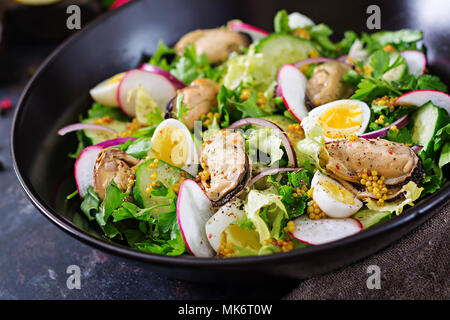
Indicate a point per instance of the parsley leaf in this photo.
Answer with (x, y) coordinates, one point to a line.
(250, 108)
(138, 148)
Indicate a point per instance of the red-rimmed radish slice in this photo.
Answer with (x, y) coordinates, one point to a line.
(85, 163)
(416, 61)
(287, 143)
(316, 232)
(400, 123)
(420, 97)
(84, 168)
(254, 32)
(306, 62)
(193, 211)
(292, 85)
(151, 68)
(160, 89)
(84, 126)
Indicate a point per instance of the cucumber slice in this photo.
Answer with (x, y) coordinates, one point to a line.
(284, 48)
(427, 120)
(284, 123)
(99, 136)
(149, 172)
(369, 217)
(399, 71)
(280, 121)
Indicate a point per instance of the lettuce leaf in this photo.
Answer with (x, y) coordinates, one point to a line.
(266, 212)
(252, 70)
(412, 193)
(312, 148)
(267, 141)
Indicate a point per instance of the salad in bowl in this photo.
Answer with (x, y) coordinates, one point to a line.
(236, 141)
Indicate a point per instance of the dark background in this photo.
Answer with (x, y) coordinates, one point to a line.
(34, 254)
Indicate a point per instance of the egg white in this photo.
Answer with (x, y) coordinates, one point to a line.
(225, 216)
(191, 164)
(332, 207)
(314, 115)
(106, 91)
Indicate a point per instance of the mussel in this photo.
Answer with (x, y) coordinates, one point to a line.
(113, 164)
(395, 163)
(200, 97)
(326, 83)
(217, 44)
(226, 166)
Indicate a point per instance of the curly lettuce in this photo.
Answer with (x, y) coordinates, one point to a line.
(412, 193)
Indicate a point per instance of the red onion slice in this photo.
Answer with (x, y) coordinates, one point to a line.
(417, 148)
(84, 126)
(400, 123)
(292, 158)
(343, 59)
(312, 60)
(114, 142)
(269, 172)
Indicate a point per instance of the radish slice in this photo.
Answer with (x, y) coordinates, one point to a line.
(420, 97)
(306, 62)
(400, 123)
(193, 211)
(254, 32)
(416, 61)
(287, 143)
(84, 166)
(159, 88)
(84, 126)
(270, 172)
(292, 85)
(151, 68)
(316, 232)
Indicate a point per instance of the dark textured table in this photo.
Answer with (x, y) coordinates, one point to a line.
(35, 254)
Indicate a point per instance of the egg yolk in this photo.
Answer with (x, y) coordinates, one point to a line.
(337, 193)
(170, 145)
(235, 236)
(341, 121)
(115, 79)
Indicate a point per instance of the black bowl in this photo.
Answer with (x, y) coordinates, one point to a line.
(117, 41)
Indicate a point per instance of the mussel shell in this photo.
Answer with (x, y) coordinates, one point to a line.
(239, 188)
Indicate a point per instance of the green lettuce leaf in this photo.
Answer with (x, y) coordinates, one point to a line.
(412, 193)
(267, 141)
(266, 211)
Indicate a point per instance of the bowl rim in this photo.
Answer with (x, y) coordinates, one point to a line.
(433, 201)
